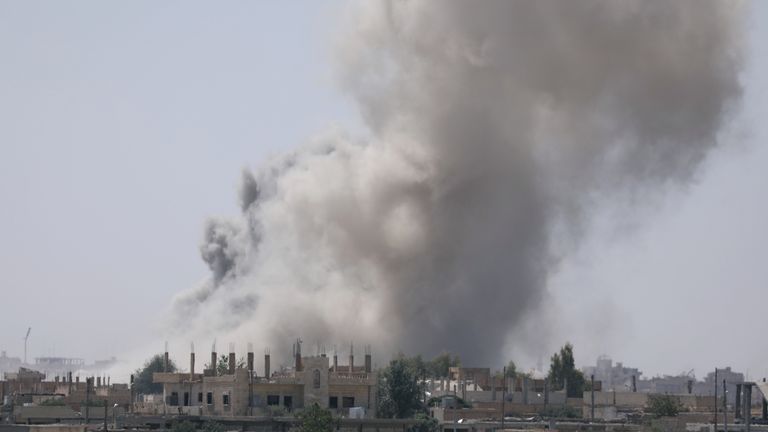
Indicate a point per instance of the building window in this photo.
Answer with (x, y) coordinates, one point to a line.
(273, 400)
(288, 402)
(200, 398)
(316, 379)
(186, 399)
(333, 402)
(173, 400)
(209, 398)
(347, 402)
(225, 399)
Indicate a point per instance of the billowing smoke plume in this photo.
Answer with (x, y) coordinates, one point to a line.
(495, 127)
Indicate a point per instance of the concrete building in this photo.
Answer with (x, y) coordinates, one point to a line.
(613, 377)
(474, 378)
(240, 392)
(732, 380)
(8, 364)
(27, 393)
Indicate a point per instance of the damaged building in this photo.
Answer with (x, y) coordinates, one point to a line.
(239, 391)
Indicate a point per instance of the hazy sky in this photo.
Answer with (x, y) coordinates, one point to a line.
(124, 125)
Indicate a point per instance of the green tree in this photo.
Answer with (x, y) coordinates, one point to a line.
(399, 392)
(511, 369)
(222, 365)
(563, 372)
(424, 423)
(316, 419)
(664, 405)
(416, 364)
(142, 383)
(439, 366)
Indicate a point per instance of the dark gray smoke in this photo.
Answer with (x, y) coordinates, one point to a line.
(495, 128)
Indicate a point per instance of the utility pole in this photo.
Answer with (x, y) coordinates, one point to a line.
(716, 399)
(87, 399)
(725, 407)
(130, 407)
(105, 415)
(592, 397)
(503, 395)
(748, 406)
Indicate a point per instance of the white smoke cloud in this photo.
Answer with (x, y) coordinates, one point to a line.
(494, 128)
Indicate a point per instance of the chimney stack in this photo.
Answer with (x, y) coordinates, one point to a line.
(368, 365)
(297, 361)
(250, 361)
(192, 366)
(98, 382)
(351, 357)
(266, 364)
(335, 361)
(231, 363)
(165, 358)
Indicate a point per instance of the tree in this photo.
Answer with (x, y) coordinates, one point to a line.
(399, 393)
(416, 364)
(664, 405)
(424, 423)
(439, 366)
(222, 365)
(142, 383)
(563, 372)
(511, 369)
(316, 419)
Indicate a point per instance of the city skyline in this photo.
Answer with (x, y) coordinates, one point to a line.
(121, 137)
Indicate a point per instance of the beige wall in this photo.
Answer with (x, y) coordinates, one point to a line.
(235, 386)
(299, 389)
(316, 390)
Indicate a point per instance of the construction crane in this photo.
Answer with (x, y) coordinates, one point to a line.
(26, 338)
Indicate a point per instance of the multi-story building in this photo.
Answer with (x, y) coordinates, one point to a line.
(613, 377)
(240, 392)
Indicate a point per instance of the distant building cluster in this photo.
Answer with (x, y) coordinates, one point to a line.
(53, 366)
(619, 378)
(230, 389)
(613, 377)
(31, 395)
